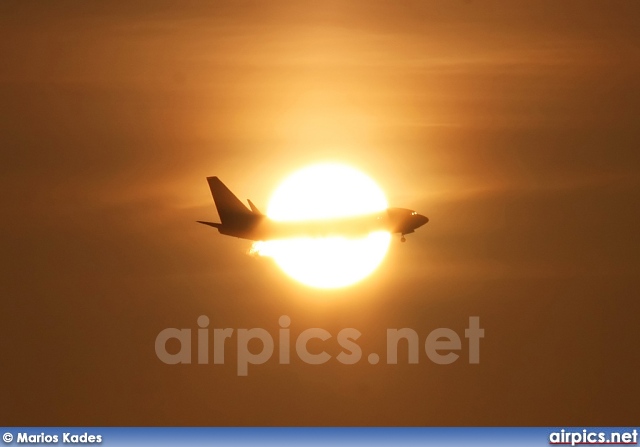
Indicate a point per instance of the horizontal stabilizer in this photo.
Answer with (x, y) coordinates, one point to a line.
(211, 224)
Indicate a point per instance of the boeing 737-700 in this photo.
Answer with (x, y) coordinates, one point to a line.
(249, 223)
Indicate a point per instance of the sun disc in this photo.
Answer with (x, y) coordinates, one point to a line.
(326, 191)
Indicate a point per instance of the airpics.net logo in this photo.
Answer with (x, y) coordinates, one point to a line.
(441, 346)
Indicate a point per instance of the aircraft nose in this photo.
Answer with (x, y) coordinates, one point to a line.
(422, 220)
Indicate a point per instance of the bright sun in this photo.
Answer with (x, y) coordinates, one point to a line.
(324, 191)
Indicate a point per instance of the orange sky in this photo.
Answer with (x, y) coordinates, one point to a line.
(514, 129)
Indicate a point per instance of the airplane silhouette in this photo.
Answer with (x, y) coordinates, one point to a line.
(242, 222)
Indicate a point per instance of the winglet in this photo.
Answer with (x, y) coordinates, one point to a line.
(253, 207)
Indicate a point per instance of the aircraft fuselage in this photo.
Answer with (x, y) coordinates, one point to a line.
(242, 222)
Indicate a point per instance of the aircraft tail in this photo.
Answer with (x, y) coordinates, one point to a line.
(227, 204)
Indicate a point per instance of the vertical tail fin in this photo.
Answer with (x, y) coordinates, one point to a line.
(227, 204)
